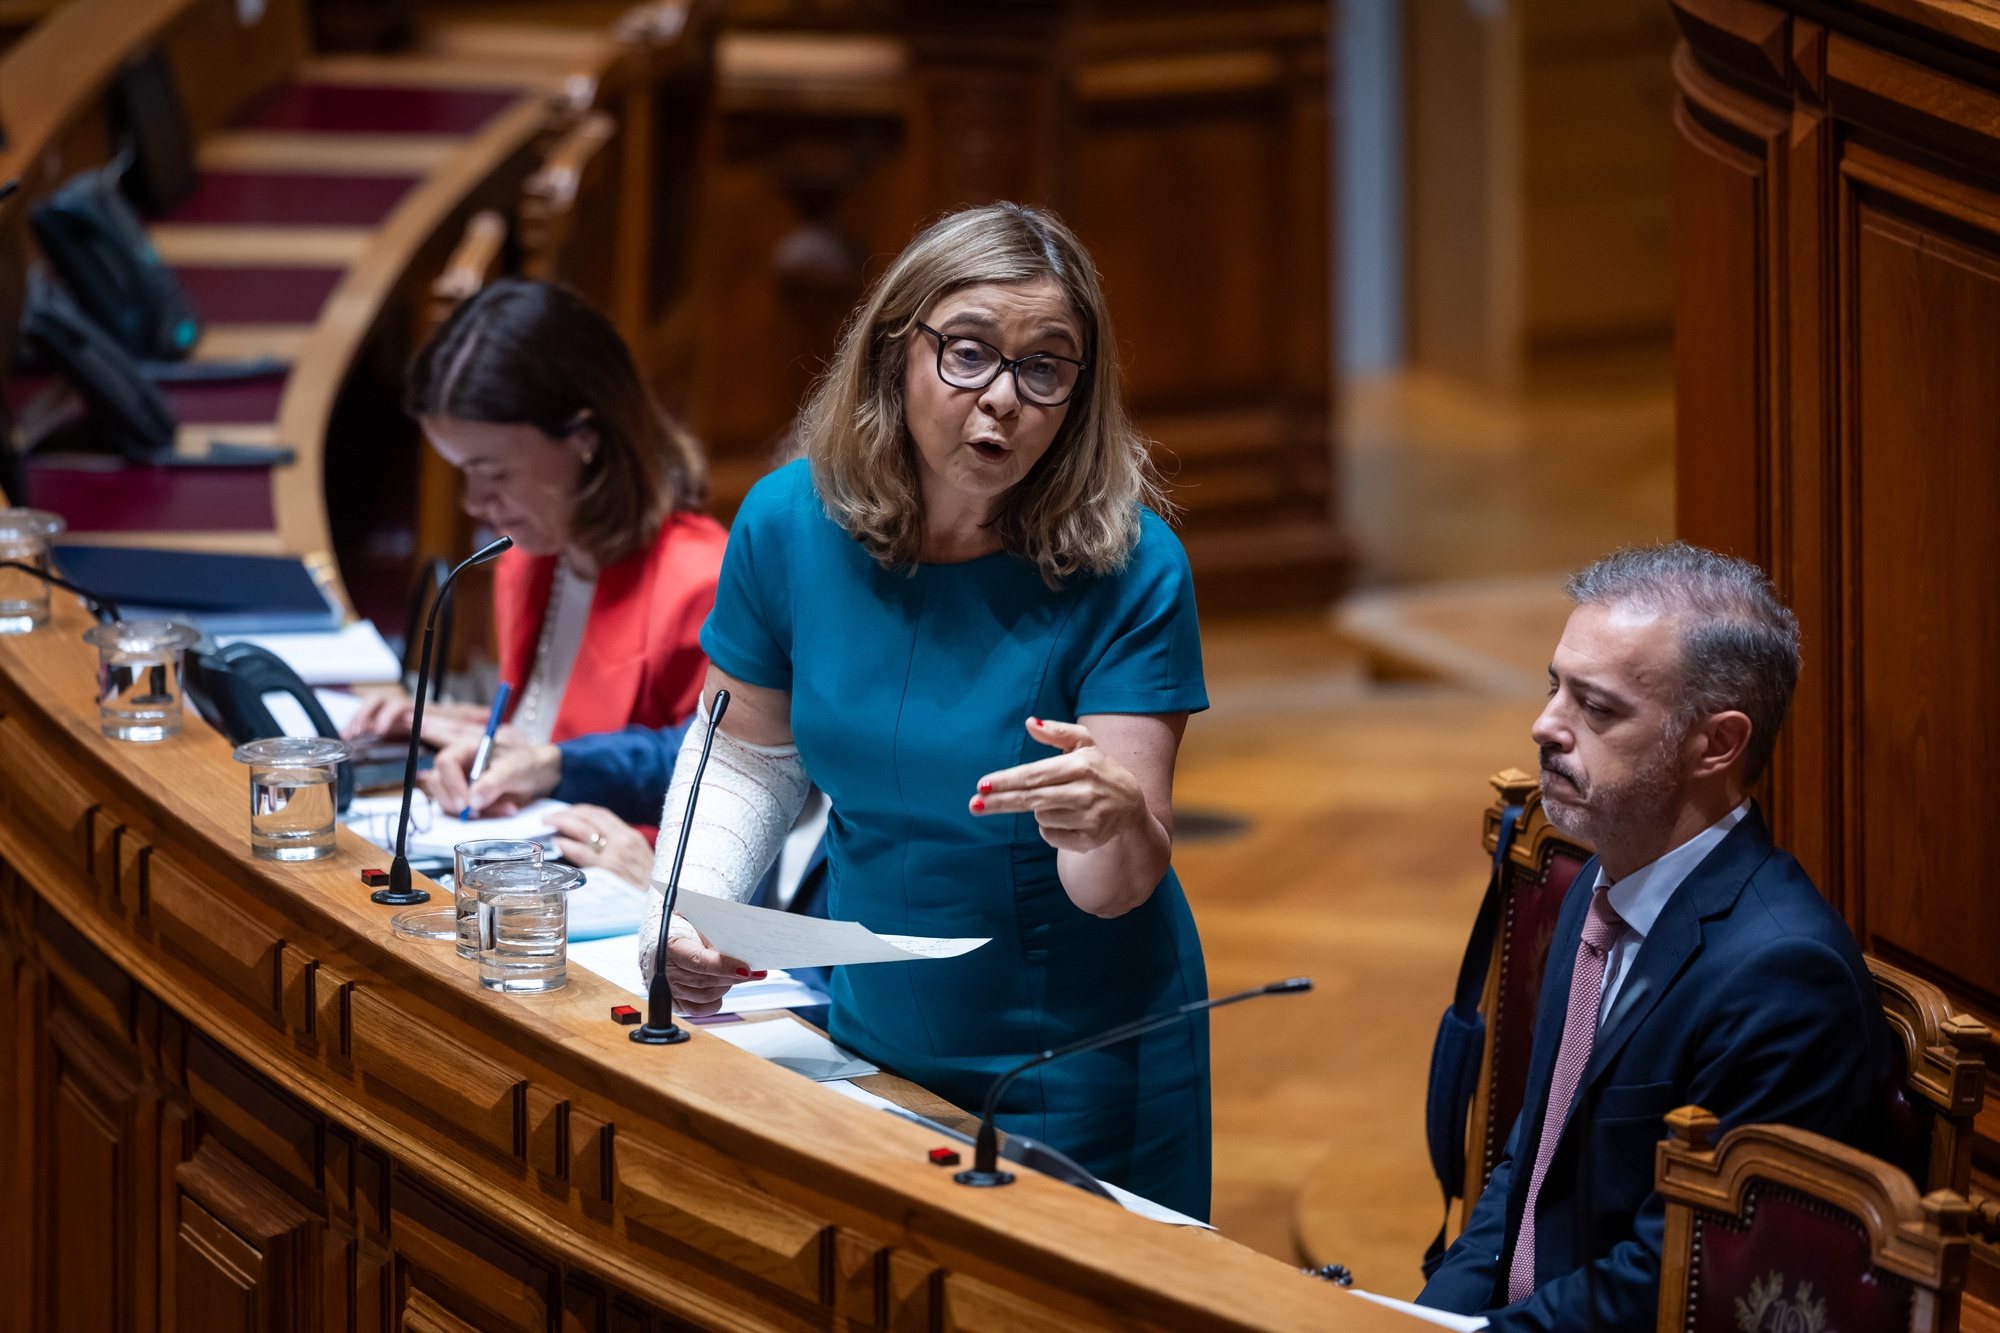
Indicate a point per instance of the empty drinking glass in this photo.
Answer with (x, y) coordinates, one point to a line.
(524, 925)
(468, 857)
(139, 677)
(24, 598)
(291, 796)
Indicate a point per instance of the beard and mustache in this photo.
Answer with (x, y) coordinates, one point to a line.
(1601, 812)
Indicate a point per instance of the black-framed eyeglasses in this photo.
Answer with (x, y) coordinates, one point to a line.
(1042, 378)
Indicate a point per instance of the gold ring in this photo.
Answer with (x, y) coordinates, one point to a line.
(596, 841)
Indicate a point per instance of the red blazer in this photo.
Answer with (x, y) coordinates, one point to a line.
(640, 660)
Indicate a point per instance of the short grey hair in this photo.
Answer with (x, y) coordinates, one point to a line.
(1739, 644)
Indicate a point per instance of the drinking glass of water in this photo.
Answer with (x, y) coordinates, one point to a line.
(139, 677)
(24, 597)
(524, 925)
(468, 857)
(291, 796)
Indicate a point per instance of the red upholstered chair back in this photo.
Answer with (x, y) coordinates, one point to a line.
(1784, 1265)
(1541, 866)
(1780, 1230)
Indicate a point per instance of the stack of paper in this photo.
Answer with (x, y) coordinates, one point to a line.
(351, 655)
(434, 833)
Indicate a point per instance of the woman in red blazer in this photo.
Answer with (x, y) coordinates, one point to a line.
(532, 395)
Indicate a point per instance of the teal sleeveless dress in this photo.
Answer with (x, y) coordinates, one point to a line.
(906, 688)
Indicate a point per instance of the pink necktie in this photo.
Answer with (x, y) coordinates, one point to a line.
(1586, 985)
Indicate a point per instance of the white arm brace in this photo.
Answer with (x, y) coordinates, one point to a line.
(749, 798)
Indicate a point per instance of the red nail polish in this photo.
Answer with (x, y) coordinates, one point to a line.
(978, 804)
(1034, 722)
(985, 787)
(742, 971)
(759, 976)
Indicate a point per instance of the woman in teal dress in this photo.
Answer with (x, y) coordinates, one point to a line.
(963, 617)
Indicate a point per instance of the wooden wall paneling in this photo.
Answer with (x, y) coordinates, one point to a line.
(698, 1212)
(48, 799)
(86, 980)
(450, 1265)
(438, 1077)
(804, 190)
(237, 951)
(1228, 360)
(1724, 201)
(245, 1254)
(1927, 508)
(1806, 495)
(972, 1306)
(97, 1223)
(23, 1022)
(987, 104)
(259, 1122)
(1879, 495)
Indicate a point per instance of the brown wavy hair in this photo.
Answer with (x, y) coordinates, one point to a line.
(1077, 510)
(532, 353)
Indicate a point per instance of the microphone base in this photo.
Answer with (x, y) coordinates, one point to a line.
(671, 1035)
(984, 1179)
(400, 897)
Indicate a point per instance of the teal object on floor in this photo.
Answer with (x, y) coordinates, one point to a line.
(906, 689)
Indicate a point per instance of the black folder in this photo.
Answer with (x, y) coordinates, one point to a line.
(223, 594)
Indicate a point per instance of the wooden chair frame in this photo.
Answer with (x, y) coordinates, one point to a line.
(1536, 840)
(1920, 1240)
(1944, 1053)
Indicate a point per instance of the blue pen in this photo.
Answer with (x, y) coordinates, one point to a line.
(485, 750)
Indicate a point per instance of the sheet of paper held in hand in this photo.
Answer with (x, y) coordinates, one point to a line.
(762, 937)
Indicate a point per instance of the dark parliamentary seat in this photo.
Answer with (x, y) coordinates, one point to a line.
(1779, 1229)
(1541, 866)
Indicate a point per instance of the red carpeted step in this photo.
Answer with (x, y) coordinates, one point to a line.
(276, 294)
(247, 402)
(227, 402)
(154, 499)
(338, 108)
(291, 199)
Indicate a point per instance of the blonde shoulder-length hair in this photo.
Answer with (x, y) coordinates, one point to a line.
(1077, 510)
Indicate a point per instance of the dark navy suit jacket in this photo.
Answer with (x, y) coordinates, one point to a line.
(1749, 998)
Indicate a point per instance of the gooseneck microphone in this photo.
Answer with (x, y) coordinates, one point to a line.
(399, 893)
(985, 1170)
(659, 1029)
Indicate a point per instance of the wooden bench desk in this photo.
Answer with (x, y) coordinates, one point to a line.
(233, 1095)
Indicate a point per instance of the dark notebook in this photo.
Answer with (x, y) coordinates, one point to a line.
(223, 594)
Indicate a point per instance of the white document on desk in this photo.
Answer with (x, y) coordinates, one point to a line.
(528, 824)
(1464, 1323)
(354, 654)
(764, 938)
(435, 833)
(792, 1045)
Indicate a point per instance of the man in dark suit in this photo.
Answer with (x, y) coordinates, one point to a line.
(1693, 961)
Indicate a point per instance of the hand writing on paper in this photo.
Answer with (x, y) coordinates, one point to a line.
(1081, 798)
(515, 776)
